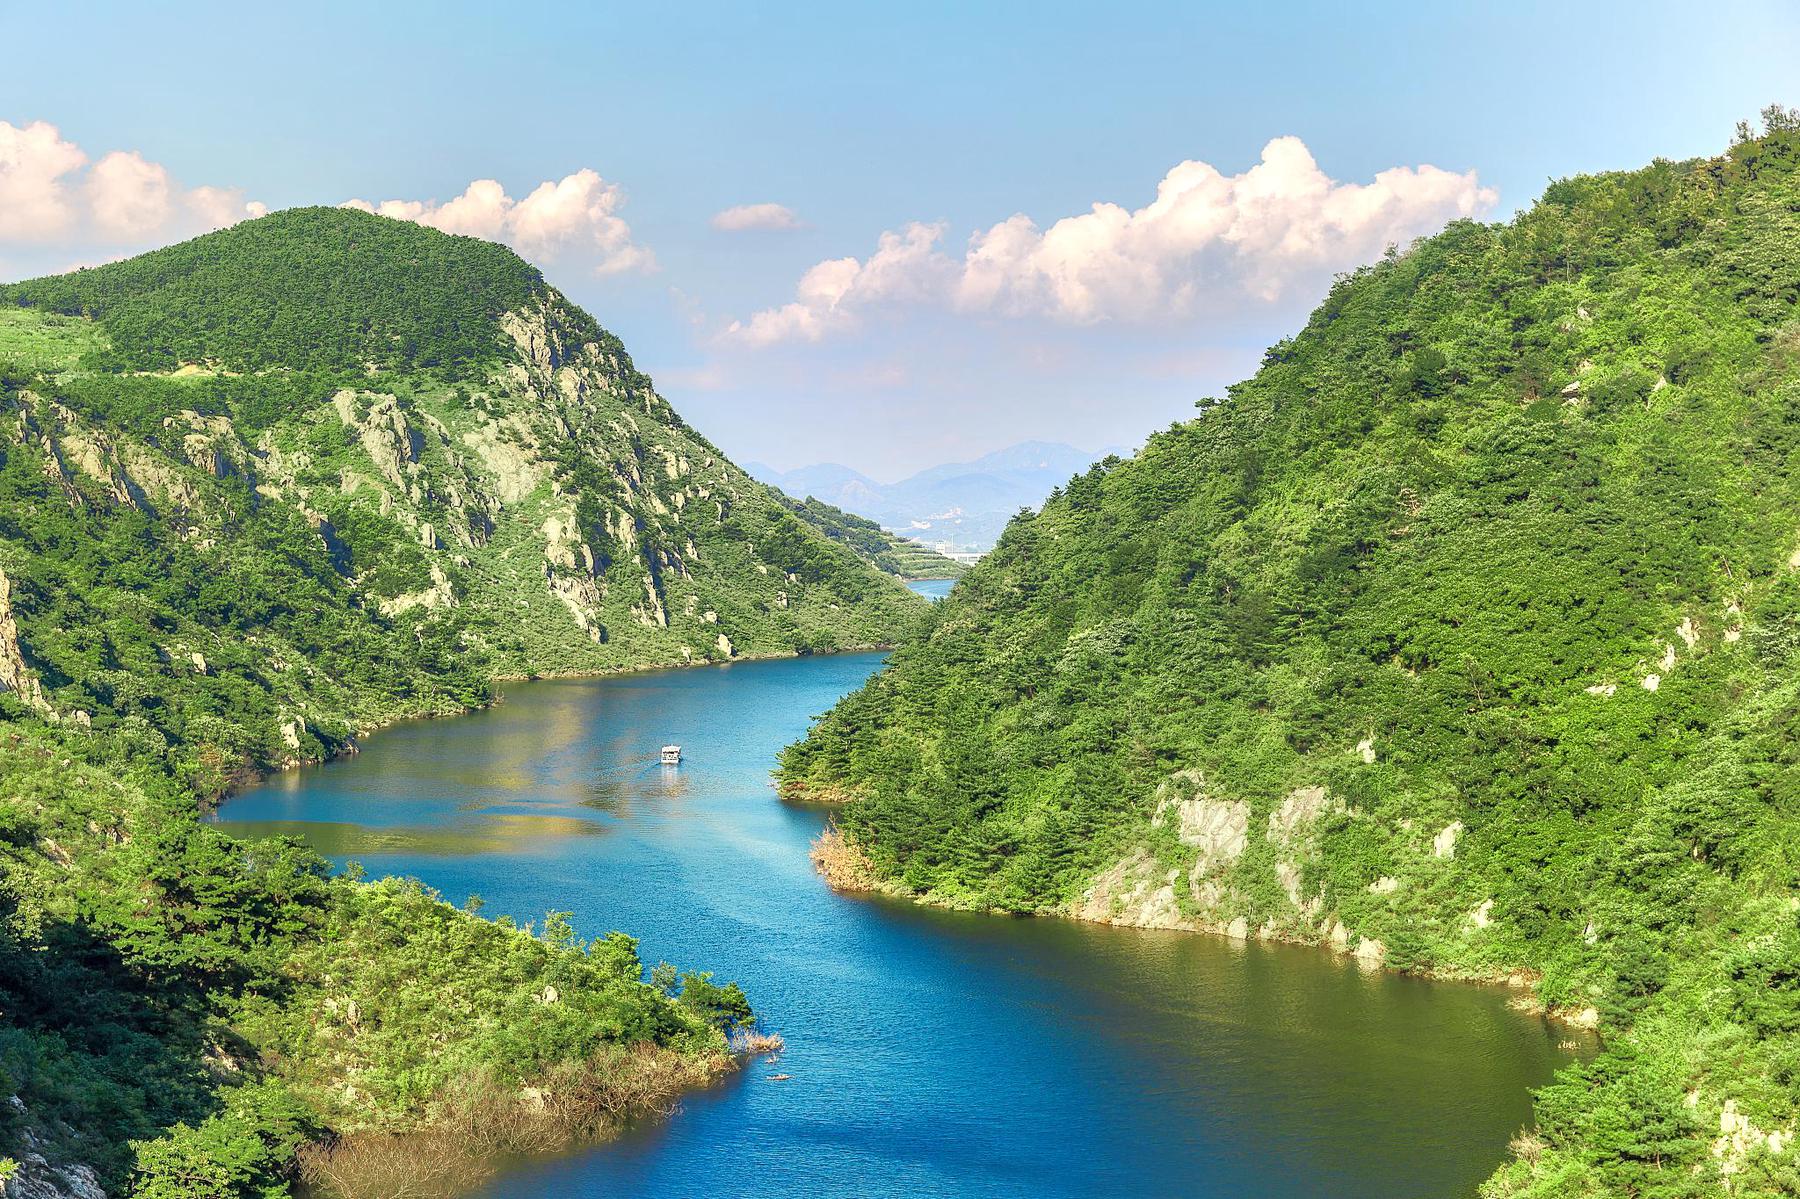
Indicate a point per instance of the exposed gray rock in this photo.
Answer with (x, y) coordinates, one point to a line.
(15, 675)
(36, 1178)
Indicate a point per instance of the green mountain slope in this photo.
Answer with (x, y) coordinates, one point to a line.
(1462, 637)
(899, 556)
(262, 491)
(323, 469)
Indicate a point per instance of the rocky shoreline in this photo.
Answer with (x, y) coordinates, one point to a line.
(846, 868)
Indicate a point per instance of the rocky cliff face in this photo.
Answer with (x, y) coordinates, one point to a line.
(36, 1176)
(546, 510)
(15, 674)
(269, 489)
(1232, 870)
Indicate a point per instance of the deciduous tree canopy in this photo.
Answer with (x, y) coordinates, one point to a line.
(1499, 553)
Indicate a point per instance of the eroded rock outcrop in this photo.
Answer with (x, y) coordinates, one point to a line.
(15, 674)
(1137, 892)
(40, 1172)
(37, 1178)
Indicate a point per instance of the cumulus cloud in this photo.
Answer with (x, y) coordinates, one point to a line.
(50, 195)
(906, 266)
(216, 207)
(129, 195)
(34, 199)
(55, 199)
(757, 217)
(1209, 243)
(574, 217)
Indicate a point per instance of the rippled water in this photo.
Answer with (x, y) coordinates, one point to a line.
(930, 1053)
(935, 589)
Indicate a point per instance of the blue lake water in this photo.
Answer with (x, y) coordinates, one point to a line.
(935, 589)
(930, 1053)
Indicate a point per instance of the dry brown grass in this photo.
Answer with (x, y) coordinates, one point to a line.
(807, 793)
(392, 1165)
(842, 864)
(1527, 1146)
(480, 1120)
(751, 1043)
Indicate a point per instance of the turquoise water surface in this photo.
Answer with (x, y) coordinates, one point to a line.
(930, 1053)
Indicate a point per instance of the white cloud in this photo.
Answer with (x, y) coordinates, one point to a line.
(746, 218)
(34, 200)
(128, 195)
(217, 207)
(1208, 244)
(52, 200)
(575, 217)
(47, 199)
(906, 267)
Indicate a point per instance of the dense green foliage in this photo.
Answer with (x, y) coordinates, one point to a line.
(113, 604)
(239, 562)
(1502, 544)
(262, 492)
(185, 1009)
(353, 289)
(898, 556)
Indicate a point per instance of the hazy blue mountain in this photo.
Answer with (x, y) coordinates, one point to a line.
(828, 481)
(958, 507)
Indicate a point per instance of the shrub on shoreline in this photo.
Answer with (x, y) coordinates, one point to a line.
(843, 865)
(484, 1120)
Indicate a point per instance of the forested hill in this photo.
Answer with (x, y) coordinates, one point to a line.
(358, 467)
(1464, 637)
(899, 556)
(262, 491)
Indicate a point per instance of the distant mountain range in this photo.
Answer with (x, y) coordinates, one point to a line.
(958, 508)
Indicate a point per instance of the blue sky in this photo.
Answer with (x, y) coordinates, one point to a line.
(931, 122)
